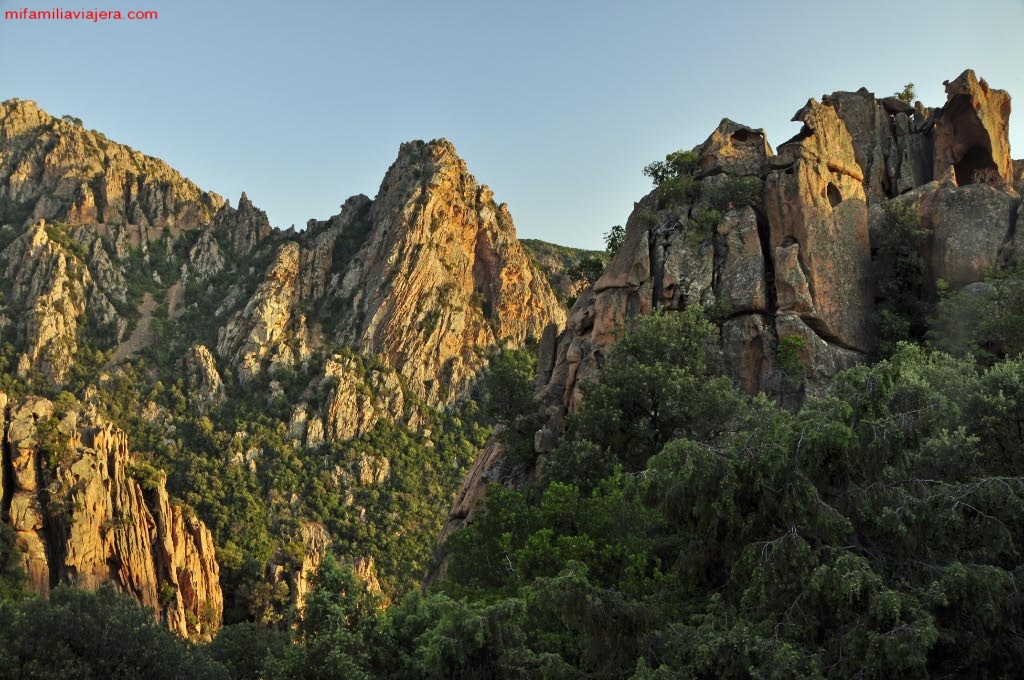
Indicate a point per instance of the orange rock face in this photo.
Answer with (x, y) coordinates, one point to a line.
(972, 132)
(81, 517)
(61, 171)
(815, 200)
(796, 262)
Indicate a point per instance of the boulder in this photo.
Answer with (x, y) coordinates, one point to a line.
(969, 225)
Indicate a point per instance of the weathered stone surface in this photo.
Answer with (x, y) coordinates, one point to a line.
(475, 483)
(969, 226)
(735, 149)
(890, 141)
(241, 230)
(370, 470)
(56, 289)
(205, 258)
(684, 268)
(258, 336)
(747, 351)
(815, 198)
(441, 275)
(791, 287)
(361, 397)
(55, 169)
(821, 359)
(205, 387)
(972, 131)
(314, 433)
(740, 281)
(90, 522)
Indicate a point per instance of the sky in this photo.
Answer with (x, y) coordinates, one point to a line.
(557, 105)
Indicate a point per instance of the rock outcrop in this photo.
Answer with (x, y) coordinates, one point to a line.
(295, 572)
(440, 276)
(257, 337)
(205, 387)
(818, 221)
(55, 169)
(972, 132)
(360, 396)
(86, 511)
(428, 278)
(794, 259)
(48, 289)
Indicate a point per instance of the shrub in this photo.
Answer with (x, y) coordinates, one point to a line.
(675, 177)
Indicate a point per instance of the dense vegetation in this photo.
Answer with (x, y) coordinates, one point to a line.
(681, 529)
(686, 530)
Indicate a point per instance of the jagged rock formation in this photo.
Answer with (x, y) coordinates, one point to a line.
(256, 337)
(795, 261)
(48, 289)
(85, 511)
(362, 395)
(972, 132)
(296, 574)
(55, 169)
(205, 386)
(427, 277)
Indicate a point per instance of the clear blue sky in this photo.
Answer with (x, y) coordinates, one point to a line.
(556, 104)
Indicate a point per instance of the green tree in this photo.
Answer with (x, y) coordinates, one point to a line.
(902, 312)
(655, 384)
(101, 635)
(675, 177)
(338, 629)
(12, 576)
(908, 94)
(613, 240)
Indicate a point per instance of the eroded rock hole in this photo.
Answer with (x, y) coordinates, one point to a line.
(975, 166)
(833, 194)
(746, 136)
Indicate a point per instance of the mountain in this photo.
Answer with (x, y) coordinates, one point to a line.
(805, 258)
(778, 433)
(215, 341)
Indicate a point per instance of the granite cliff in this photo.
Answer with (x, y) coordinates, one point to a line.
(784, 244)
(87, 511)
(170, 307)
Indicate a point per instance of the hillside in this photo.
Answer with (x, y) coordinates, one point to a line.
(779, 433)
(316, 375)
(557, 263)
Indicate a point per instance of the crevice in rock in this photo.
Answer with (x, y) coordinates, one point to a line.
(1016, 207)
(805, 133)
(764, 236)
(657, 247)
(53, 529)
(819, 328)
(7, 492)
(743, 136)
(833, 195)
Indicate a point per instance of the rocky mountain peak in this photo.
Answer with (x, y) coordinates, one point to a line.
(55, 169)
(428, 277)
(441, 274)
